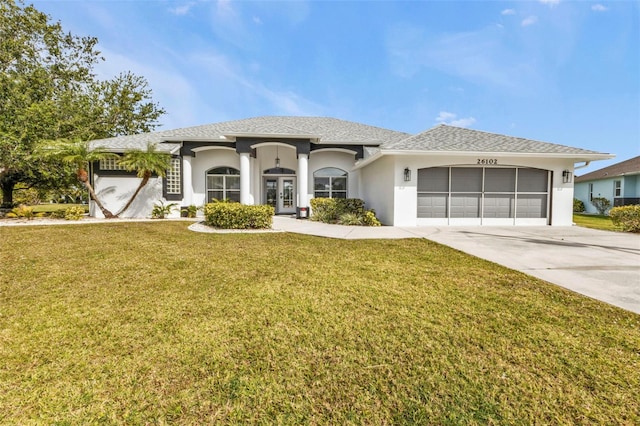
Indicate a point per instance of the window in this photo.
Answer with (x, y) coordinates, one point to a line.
(617, 188)
(330, 182)
(173, 180)
(110, 164)
(223, 183)
(590, 192)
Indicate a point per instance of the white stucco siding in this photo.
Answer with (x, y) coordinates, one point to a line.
(405, 193)
(115, 191)
(378, 187)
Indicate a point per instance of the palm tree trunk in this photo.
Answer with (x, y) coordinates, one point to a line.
(144, 181)
(107, 214)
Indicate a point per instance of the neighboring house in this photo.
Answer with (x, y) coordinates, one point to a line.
(443, 176)
(619, 183)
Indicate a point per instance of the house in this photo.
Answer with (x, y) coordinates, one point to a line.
(443, 176)
(619, 183)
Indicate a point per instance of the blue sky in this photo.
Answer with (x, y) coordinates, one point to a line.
(566, 72)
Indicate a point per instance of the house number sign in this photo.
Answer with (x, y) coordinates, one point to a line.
(485, 161)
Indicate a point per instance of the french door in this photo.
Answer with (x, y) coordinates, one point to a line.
(280, 193)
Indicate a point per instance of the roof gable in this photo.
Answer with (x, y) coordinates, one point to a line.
(627, 167)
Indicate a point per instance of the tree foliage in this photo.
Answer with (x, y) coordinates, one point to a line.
(49, 91)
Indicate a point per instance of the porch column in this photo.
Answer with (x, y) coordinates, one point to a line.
(187, 182)
(303, 184)
(245, 178)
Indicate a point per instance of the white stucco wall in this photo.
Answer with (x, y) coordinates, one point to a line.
(378, 188)
(115, 191)
(402, 201)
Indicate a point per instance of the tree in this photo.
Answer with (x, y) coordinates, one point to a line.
(49, 92)
(146, 164)
(80, 155)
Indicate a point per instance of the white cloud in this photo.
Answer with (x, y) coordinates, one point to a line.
(599, 8)
(508, 12)
(550, 2)
(182, 10)
(529, 20)
(445, 116)
(452, 119)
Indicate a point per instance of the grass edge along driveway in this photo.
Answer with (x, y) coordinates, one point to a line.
(150, 323)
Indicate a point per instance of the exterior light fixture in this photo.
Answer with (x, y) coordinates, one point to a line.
(277, 159)
(566, 176)
(407, 174)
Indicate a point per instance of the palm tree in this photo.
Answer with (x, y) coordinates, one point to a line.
(79, 154)
(146, 164)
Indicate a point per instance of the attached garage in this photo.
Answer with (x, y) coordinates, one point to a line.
(483, 195)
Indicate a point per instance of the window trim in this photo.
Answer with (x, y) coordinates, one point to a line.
(617, 188)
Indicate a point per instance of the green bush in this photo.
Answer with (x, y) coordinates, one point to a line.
(57, 214)
(74, 213)
(161, 210)
(350, 219)
(369, 218)
(627, 217)
(345, 211)
(578, 206)
(238, 216)
(23, 212)
(190, 211)
(601, 204)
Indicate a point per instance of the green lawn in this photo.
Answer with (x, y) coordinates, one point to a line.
(48, 208)
(149, 323)
(595, 221)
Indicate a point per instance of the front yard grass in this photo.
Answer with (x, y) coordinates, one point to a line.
(151, 323)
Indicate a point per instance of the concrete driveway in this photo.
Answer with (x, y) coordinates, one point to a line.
(599, 264)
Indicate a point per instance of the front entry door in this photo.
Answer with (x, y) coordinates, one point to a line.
(280, 193)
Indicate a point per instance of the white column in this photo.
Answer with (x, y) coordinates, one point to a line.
(187, 181)
(245, 178)
(303, 184)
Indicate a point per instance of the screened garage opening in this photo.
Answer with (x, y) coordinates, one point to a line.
(483, 195)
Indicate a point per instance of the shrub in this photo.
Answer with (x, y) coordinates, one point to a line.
(578, 206)
(74, 213)
(189, 212)
(23, 212)
(369, 218)
(601, 204)
(350, 219)
(627, 217)
(57, 214)
(345, 211)
(226, 215)
(161, 210)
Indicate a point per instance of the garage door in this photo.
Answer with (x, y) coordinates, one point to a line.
(483, 195)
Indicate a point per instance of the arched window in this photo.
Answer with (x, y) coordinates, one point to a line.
(330, 182)
(223, 183)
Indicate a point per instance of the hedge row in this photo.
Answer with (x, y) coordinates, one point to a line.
(343, 211)
(627, 217)
(229, 215)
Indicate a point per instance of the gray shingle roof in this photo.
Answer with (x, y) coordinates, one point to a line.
(329, 130)
(627, 167)
(444, 138)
